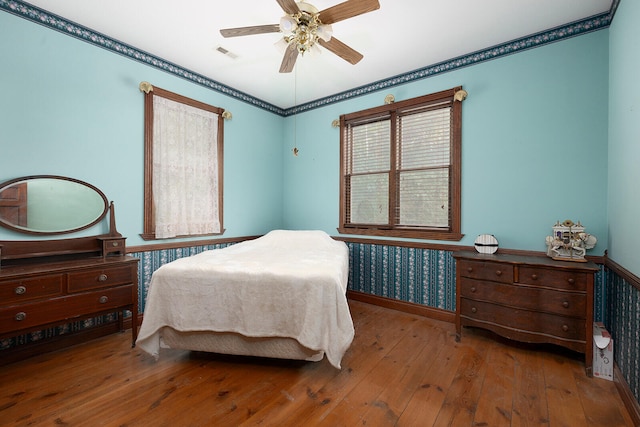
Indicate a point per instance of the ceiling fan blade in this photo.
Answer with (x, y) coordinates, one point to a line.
(347, 9)
(248, 31)
(289, 6)
(342, 50)
(289, 60)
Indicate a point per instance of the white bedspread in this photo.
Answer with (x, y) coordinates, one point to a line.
(284, 284)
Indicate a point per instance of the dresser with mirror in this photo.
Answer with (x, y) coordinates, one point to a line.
(48, 280)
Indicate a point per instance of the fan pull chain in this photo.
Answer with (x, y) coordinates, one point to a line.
(295, 114)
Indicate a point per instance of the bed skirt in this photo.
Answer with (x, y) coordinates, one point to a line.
(236, 344)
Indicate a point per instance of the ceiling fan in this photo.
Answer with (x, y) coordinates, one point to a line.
(304, 27)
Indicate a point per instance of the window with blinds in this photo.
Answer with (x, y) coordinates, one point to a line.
(400, 166)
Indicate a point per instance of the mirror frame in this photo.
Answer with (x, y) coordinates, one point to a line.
(7, 184)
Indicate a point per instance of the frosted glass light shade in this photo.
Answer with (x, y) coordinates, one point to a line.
(288, 25)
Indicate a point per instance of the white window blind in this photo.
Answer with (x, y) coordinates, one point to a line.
(369, 168)
(423, 150)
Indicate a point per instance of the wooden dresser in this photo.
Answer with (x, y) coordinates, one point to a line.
(527, 298)
(50, 282)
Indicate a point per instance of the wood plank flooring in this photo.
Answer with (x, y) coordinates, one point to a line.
(401, 370)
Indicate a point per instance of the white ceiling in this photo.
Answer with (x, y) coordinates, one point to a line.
(401, 36)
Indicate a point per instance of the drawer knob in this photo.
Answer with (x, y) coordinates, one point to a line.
(469, 269)
(565, 328)
(20, 316)
(102, 278)
(474, 310)
(534, 276)
(115, 244)
(571, 280)
(20, 290)
(473, 289)
(498, 272)
(565, 304)
(103, 299)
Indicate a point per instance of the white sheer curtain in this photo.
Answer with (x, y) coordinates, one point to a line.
(185, 169)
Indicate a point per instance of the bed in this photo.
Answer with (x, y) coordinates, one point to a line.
(282, 295)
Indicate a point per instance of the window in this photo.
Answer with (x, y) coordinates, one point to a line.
(183, 166)
(400, 169)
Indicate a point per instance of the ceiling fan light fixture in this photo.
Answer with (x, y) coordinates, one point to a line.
(305, 35)
(302, 29)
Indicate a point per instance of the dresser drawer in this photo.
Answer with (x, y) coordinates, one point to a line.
(17, 291)
(81, 281)
(486, 271)
(526, 297)
(26, 316)
(523, 321)
(570, 280)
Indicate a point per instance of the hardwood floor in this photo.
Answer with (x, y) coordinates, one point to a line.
(401, 369)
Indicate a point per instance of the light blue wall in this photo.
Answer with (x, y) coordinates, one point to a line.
(624, 137)
(623, 198)
(534, 136)
(70, 108)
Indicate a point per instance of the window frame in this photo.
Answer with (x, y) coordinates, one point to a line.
(450, 233)
(149, 224)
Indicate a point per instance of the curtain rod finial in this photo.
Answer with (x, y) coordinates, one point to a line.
(146, 87)
(460, 95)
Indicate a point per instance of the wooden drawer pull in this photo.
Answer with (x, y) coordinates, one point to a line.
(469, 269)
(102, 278)
(474, 310)
(534, 276)
(103, 299)
(473, 289)
(20, 316)
(565, 328)
(571, 280)
(565, 304)
(20, 290)
(498, 272)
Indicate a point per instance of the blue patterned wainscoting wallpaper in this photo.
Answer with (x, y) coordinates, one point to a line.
(600, 295)
(421, 276)
(39, 336)
(623, 322)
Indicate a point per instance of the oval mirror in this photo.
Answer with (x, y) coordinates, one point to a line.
(48, 204)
